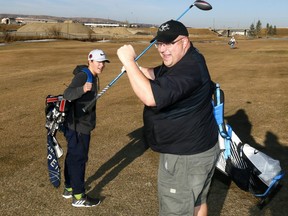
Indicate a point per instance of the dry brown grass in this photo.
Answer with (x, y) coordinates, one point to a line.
(120, 171)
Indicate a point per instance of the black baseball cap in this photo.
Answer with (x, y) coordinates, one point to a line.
(169, 31)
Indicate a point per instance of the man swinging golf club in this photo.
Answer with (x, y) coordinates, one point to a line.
(178, 119)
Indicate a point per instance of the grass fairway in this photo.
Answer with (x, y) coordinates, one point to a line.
(120, 170)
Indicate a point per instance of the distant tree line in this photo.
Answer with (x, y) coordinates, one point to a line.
(256, 31)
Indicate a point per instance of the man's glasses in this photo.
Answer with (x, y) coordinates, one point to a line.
(167, 45)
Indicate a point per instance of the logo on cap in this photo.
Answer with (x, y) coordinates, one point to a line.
(164, 27)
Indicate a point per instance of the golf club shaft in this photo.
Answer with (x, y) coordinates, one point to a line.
(90, 105)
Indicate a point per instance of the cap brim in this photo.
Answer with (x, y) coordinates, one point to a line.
(101, 60)
(164, 39)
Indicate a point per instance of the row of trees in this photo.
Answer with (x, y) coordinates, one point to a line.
(256, 31)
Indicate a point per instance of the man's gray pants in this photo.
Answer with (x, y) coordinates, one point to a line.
(184, 181)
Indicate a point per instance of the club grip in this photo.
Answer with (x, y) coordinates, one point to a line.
(90, 105)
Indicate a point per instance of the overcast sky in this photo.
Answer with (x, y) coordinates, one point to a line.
(225, 13)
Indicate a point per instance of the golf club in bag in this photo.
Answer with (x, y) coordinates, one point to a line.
(249, 168)
(202, 5)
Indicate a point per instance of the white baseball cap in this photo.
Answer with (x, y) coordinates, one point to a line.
(98, 55)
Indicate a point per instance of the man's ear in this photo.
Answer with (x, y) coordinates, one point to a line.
(185, 41)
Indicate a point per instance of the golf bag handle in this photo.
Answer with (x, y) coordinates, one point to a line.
(198, 3)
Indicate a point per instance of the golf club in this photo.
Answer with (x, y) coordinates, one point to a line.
(202, 5)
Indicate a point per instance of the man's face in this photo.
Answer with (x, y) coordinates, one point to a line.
(171, 53)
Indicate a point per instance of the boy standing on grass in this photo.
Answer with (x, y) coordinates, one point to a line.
(82, 89)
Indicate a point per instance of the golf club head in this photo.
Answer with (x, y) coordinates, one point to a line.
(202, 5)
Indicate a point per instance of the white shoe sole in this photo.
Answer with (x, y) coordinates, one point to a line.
(67, 196)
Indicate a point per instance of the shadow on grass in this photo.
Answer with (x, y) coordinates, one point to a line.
(109, 170)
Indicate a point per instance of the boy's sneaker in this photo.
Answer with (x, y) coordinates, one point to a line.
(67, 194)
(85, 201)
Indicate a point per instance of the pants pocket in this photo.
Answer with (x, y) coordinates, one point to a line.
(168, 163)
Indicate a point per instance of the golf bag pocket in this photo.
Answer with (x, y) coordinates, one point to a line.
(265, 167)
(240, 176)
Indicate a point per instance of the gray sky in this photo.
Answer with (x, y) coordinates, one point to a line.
(225, 13)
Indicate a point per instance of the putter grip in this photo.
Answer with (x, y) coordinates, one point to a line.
(90, 105)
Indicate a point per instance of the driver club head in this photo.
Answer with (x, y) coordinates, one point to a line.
(202, 5)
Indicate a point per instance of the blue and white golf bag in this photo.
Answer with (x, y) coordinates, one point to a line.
(55, 111)
(250, 169)
(52, 160)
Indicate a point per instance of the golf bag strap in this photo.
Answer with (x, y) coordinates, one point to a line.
(89, 74)
(225, 131)
(62, 105)
(52, 99)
